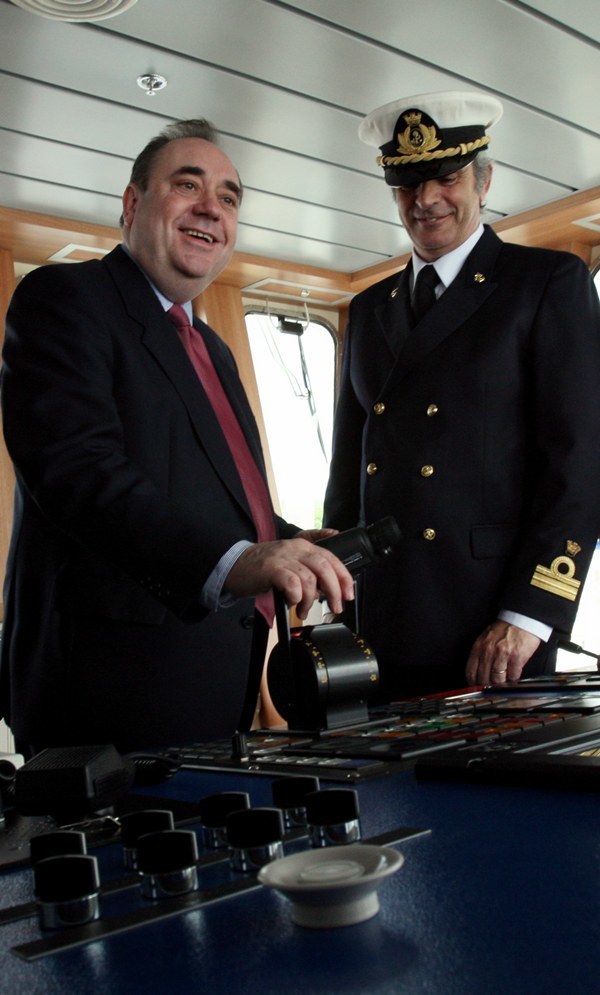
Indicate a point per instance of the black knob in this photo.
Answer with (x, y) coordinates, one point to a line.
(67, 889)
(239, 746)
(333, 816)
(56, 844)
(137, 824)
(167, 863)
(289, 795)
(255, 837)
(214, 812)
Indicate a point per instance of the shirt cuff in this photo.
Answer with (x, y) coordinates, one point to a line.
(211, 595)
(539, 629)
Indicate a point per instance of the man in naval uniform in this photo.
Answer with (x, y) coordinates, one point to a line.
(471, 416)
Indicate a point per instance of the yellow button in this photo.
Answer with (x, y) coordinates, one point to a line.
(432, 410)
(429, 534)
(379, 408)
(427, 470)
(372, 469)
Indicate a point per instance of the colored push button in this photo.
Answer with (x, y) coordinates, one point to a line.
(429, 534)
(372, 469)
(379, 408)
(427, 470)
(67, 887)
(432, 410)
(332, 816)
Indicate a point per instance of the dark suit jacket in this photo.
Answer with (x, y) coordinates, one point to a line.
(127, 497)
(481, 427)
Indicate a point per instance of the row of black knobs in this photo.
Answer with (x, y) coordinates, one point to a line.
(67, 880)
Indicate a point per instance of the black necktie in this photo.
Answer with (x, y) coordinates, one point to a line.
(424, 292)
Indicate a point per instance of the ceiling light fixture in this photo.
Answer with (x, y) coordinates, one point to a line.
(151, 83)
(75, 10)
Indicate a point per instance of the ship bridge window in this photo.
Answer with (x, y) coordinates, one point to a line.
(295, 358)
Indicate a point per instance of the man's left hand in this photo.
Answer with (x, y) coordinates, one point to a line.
(500, 653)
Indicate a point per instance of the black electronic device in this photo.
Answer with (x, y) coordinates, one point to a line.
(323, 676)
(566, 756)
(441, 735)
(69, 782)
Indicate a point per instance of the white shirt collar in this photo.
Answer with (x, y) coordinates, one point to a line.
(448, 266)
(165, 302)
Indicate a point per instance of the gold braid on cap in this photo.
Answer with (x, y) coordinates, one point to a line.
(425, 156)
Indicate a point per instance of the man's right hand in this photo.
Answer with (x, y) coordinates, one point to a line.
(301, 570)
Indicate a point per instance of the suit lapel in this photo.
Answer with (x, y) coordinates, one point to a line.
(463, 298)
(393, 314)
(159, 337)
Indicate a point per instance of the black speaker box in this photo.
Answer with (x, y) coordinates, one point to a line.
(72, 780)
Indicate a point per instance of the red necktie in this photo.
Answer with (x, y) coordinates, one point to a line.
(251, 478)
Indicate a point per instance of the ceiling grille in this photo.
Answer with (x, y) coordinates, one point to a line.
(75, 10)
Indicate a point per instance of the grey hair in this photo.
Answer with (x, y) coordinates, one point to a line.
(482, 164)
(481, 167)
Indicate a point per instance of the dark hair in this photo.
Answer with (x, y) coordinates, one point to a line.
(194, 128)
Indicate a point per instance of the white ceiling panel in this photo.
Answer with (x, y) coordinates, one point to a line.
(582, 16)
(287, 84)
(504, 44)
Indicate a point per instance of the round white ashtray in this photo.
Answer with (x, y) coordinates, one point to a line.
(336, 886)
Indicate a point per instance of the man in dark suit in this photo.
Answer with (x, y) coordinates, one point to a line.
(472, 418)
(143, 527)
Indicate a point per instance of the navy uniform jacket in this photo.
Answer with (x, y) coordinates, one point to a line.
(126, 498)
(479, 431)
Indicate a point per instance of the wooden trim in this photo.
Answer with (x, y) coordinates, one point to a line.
(34, 238)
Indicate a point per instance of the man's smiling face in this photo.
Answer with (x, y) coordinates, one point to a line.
(182, 228)
(440, 214)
